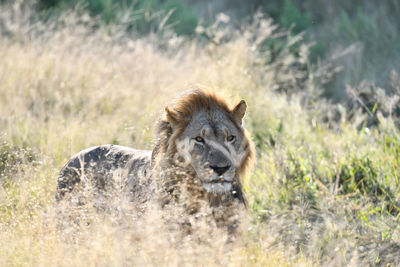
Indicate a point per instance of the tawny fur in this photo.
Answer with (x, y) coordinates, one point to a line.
(181, 111)
(159, 175)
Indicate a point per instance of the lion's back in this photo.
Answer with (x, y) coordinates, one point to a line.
(107, 168)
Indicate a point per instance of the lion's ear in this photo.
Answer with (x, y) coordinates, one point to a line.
(171, 115)
(239, 111)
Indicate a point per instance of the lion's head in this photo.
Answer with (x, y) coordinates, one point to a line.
(203, 135)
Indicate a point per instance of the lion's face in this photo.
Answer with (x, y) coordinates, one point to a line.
(203, 134)
(212, 145)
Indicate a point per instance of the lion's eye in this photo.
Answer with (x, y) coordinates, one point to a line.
(199, 139)
(230, 138)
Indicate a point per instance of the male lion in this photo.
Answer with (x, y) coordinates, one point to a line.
(202, 150)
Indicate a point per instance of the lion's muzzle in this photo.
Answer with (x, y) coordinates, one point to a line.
(220, 170)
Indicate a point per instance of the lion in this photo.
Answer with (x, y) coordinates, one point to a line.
(202, 151)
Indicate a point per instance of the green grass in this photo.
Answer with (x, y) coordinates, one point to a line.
(324, 190)
(141, 16)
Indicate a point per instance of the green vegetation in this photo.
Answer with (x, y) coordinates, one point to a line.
(325, 188)
(143, 16)
(361, 36)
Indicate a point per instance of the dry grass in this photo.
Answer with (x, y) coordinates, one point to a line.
(65, 87)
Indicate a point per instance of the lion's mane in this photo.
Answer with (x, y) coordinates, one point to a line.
(179, 113)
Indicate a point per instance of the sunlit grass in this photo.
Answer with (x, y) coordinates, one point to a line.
(322, 190)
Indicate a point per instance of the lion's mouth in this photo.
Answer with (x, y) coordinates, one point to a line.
(219, 185)
(220, 180)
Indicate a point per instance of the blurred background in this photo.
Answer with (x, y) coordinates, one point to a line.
(362, 36)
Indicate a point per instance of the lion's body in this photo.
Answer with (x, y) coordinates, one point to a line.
(108, 167)
(201, 154)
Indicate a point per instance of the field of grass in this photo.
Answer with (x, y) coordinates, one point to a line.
(325, 188)
(361, 35)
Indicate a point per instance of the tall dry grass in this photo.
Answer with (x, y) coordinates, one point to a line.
(69, 83)
(64, 87)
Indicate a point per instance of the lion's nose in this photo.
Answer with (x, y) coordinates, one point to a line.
(220, 170)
